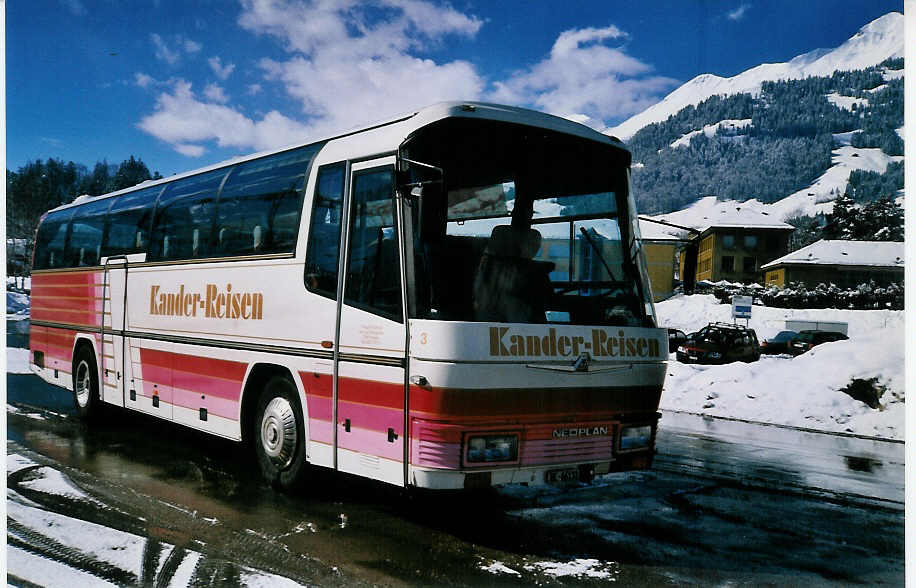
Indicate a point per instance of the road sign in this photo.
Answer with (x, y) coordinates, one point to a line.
(741, 307)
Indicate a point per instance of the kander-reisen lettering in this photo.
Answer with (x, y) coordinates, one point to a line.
(602, 343)
(214, 303)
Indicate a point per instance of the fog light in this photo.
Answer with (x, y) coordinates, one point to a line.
(492, 448)
(635, 437)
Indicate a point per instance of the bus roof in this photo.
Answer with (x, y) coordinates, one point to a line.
(411, 122)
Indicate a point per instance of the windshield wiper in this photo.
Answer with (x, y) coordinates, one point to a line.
(598, 251)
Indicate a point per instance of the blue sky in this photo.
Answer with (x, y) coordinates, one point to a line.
(186, 84)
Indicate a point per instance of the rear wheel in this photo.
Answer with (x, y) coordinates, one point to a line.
(279, 435)
(86, 398)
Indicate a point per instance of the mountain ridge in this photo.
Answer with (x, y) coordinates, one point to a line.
(877, 41)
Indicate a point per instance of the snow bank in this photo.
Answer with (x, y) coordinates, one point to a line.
(846, 102)
(803, 391)
(17, 361)
(731, 126)
(17, 306)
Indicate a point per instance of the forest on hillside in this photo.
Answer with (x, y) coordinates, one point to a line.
(785, 148)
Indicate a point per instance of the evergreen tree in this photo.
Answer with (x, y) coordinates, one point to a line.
(840, 222)
(130, 173)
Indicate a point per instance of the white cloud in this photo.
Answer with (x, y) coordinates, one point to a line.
(349, 63)
(190, 150)
(163, 52)
(585, 79)
(346, 68)
(190, 46)
(222, 71)
(143, 80)
(185, 122)
(171, 55)
(738, 13)
(215, 93)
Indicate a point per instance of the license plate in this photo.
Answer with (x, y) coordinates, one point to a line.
(562, 476)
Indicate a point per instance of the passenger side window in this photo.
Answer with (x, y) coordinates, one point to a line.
(129, 221)
(373, 267)
(51, 239)
(183, 220)
(86, 230)
(261, 203)
(323, 250)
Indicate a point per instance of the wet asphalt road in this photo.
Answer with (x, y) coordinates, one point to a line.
(725, 503)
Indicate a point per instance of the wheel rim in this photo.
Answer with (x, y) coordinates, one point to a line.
(83, 384)
(278, 432)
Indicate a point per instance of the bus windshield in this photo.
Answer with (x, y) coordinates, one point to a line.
(521, 225)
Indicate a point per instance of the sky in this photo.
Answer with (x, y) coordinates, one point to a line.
(182, 85)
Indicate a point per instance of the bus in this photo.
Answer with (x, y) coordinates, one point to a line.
(454, 298)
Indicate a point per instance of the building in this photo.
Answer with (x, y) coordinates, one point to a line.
(661, 246)
(734, 239)
(843, 263)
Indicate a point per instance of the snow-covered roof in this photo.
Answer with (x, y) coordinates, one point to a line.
(709, 212)
(857, 253)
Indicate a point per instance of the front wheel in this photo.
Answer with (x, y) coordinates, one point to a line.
(279, 435)
(86, 398)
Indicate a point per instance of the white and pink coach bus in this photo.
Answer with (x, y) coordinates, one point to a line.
(455, 298)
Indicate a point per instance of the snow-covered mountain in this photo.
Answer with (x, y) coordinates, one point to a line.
(877, 41)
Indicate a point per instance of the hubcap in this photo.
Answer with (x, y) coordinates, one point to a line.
(278, 432)
(83, 384)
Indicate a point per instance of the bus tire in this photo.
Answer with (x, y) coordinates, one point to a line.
(279, 435)
(86, 399)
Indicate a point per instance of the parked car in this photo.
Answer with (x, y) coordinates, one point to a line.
(778, 344)
(676, 338)
(808, 339)
(720, 343)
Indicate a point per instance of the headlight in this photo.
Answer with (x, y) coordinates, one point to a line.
(487, 448)
(682, 349)
(714, 355)
(635, 437)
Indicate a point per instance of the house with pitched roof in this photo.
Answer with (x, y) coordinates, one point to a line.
(734, 239)
(844, 263)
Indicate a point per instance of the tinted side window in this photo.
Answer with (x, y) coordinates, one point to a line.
(85, 245)
(373, 269)
(51, 239)
(183, 221)
(128, 224)
(323, 251)
(260, 205)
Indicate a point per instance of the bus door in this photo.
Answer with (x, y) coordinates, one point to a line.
(113, 323)
(369, 368)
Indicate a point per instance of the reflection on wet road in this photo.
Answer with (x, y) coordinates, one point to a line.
(726, 502)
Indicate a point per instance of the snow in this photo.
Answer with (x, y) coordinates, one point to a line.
(498, 567)
(590, 568)
(44, 572)
(731, 125)
(17, 306)
(827, 252)
(881, 39)
(51, 481)
(17, 361)
(816, 198)
(892, 74)
(846, 102)
(803, 391)
(120, 549)
(710, 212)
(15, 462)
